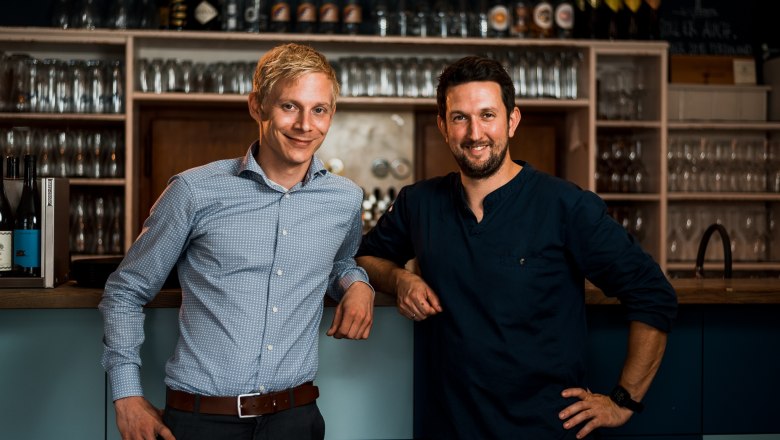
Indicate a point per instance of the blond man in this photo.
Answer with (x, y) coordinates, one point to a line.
(257, 242)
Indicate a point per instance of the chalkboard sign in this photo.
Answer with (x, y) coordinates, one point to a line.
(707, 27)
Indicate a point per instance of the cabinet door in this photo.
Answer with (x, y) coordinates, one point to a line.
(673, 405)
(181, 139)
(742, 362)
(50, 375)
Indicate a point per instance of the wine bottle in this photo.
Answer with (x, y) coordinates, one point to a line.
(351, 17)
(281, 16)
(564, 19)
(6, 232)
(177, 15)
(328, 17)
(520, 18)
(27, 227)
(629, 19)
(498, 19)
(610, 10)
(255, 16)
(306, 17)
(204, 15)
(231, 16)
(650, 19)
(542, 19)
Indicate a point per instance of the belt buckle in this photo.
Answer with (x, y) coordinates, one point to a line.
(238, 405)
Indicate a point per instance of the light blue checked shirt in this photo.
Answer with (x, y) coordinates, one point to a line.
(254, 261)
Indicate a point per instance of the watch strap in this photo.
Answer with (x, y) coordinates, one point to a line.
(622, 397)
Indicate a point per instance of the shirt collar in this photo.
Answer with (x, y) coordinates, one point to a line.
(249, 164)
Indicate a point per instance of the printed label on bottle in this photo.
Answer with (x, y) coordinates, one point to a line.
(353, 14)
(205, 12)
(6, 251)
(564, 16)
(27, 252)
(280, 12)
(178, 14)
(329, 13)
(543, 15)
(307, 12)
(520, 21)
(251, 13)
(498, 17)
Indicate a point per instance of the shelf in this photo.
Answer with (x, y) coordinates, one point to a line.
(74, 117)
(723, 197)
(87, 181)
(627, 124)
(718, 265)
(379, 101)
(628, 197)
(741, 126)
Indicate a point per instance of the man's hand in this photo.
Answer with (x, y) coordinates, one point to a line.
(415, 298)
(597, 410)
(354, 314)
(137, 419)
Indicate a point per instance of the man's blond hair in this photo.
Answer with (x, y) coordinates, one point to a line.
(290, 61)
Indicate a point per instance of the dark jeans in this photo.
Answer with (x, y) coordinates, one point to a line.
(301, 423)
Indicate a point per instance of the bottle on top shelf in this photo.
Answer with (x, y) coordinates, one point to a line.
(280, 17)
(351, 17)
(306, 17)
(542, 19)
(255, 16)
(204, 15)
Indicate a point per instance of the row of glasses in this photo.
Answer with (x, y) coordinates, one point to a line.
(96, 223)
(66, 152)
(158, 75)
(747, 225)
(718, 164)
(543, 73)
(393, 77)
(49, 85)
(620, 166)
(633, 219)
(621, 92)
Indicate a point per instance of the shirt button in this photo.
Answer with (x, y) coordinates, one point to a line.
(270, 347)
(284, 231)
(275, 309)
(279, 272)
(522, 261)
(261, 388)
(286, 195)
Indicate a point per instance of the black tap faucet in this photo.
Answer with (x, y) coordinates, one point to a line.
(724, 238)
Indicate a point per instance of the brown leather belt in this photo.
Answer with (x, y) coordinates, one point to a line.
(245, 405)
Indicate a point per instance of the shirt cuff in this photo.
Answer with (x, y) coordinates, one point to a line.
(125, 381)
(357, 274)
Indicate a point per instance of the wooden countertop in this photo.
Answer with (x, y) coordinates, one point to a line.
(689, 291)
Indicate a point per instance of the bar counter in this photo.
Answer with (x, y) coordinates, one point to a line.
(689, 291)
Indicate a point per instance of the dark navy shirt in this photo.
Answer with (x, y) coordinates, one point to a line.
(512, 334)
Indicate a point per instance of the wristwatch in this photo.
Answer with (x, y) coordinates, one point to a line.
(622, 397)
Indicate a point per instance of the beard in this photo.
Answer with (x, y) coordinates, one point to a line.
(487, 168)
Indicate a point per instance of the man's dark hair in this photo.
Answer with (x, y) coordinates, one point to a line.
(473, 68)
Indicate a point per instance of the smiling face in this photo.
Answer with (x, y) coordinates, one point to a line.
(294, 118)
(476, 127)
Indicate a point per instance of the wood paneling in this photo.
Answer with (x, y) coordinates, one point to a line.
(177, 140)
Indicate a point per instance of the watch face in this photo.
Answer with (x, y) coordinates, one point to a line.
(620, 395)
